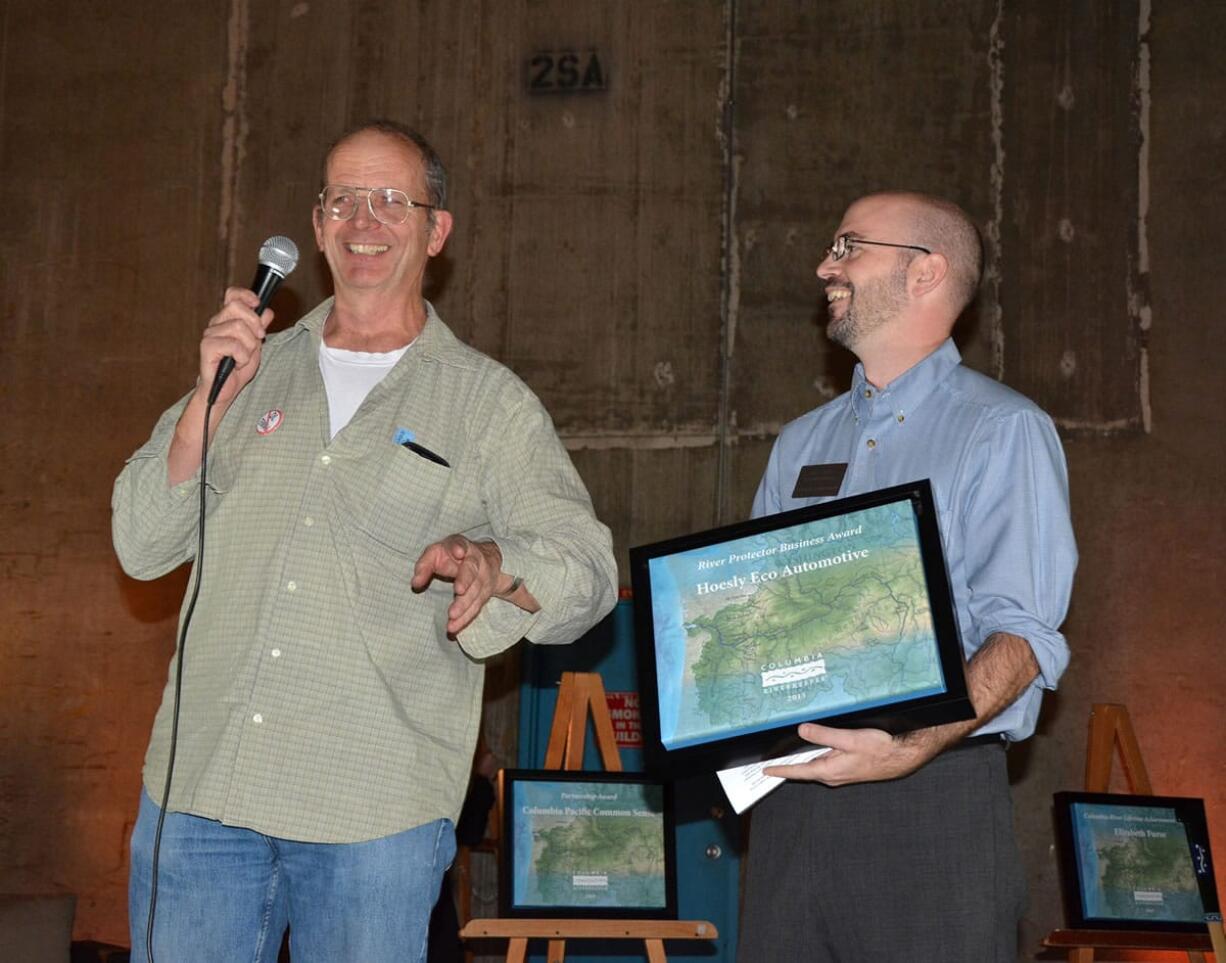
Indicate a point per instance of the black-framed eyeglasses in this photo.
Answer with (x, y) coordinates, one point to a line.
(386, 204)
(844, 244)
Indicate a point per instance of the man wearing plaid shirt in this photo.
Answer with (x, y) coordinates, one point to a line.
(387, 507)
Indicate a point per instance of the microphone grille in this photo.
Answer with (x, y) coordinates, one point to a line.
(279, 253)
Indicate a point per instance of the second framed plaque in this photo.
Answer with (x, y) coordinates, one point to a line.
(839, 612)
(591, 845)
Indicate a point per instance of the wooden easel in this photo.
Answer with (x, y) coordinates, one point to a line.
(1111, 728)
(582, 693)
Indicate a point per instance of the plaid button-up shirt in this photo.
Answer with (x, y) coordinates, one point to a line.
(322, 699)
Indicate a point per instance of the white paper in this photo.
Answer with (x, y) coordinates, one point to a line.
(745, 785)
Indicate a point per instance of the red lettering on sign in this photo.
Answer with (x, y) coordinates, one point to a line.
(627, 724)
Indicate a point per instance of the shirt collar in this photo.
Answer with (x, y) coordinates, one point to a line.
(435, 342)
(906, 392)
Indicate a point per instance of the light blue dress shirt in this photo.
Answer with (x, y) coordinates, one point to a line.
(1001, 485)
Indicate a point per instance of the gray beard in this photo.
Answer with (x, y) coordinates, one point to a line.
(881, 301)
(844, 331)
(855, 325)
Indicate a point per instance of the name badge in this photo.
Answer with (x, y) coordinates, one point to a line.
(819, 481)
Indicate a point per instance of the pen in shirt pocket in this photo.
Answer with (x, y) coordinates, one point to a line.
(404, 438)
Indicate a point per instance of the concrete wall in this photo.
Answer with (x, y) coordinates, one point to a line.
(643, 257)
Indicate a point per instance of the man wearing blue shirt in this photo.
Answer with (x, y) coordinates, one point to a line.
(901, 847)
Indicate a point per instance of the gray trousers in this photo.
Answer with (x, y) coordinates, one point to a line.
(920, 869)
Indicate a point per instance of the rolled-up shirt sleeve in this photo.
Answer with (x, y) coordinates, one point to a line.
(541, 517)
(1020, 554)
(153, 524)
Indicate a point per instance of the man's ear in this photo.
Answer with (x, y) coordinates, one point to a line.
(439, 232)
(927, 273)
(317, 221)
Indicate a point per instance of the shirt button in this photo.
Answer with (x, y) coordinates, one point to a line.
(276, 653)
(291, 586)
(872, 443)
(257, 718)
(901, 418)
(309, 521)
(326, 459)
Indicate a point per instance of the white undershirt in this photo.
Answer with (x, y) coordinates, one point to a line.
(349, 376)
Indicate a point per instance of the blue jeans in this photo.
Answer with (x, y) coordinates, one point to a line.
(226, 894)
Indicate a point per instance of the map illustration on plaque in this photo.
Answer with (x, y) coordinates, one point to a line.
(1130, 862)
(789, 625)
(1137, 864)
(840, 611)
(587, 844)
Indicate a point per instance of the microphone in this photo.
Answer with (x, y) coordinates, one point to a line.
(278, 258)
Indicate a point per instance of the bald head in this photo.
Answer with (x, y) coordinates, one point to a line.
(945, 229)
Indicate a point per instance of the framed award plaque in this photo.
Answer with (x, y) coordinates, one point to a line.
(1135, 862)
(595, 845)
(839, 612)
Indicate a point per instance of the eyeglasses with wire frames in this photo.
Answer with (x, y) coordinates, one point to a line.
(387, 205)
(844, 244)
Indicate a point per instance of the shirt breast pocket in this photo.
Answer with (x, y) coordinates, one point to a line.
(401, 505)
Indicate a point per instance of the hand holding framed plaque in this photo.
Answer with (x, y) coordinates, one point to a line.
(840, 612)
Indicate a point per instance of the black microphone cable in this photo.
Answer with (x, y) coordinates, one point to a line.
(174, 715)
(278, 257)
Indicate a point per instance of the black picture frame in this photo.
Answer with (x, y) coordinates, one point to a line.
(569, 835)
(905, 513)
(1131, 862)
